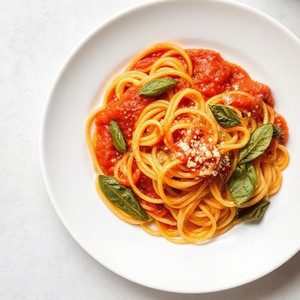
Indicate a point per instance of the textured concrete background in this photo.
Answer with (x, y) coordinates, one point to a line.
(38, 257)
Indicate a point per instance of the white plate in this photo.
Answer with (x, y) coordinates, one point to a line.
(268, 51)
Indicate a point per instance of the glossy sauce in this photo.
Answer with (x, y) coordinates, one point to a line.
(281, 122)
(125, 112)
(213, 75)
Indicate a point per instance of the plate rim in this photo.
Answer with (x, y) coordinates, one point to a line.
(43, 122)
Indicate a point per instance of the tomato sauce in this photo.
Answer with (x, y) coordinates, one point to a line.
(148, 61)
(136, 173)
(158, 210)
(213, 75)
(168, 227)
(241, 81)
(145, 186)
(125, 112)
(271, 148)
(281, 123)
(106, 153)
(244, 102)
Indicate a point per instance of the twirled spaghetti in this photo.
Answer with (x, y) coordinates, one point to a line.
(179, 159)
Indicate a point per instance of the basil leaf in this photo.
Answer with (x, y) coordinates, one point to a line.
(277, 131)
(157, 87)
(242, 183)
(259, 141)
(122, 197)
(253, 213)
(117, 137)
(225, 116)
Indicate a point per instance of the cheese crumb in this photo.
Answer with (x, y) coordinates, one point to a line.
(227, 99)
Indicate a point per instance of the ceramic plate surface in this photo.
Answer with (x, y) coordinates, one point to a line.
(263, 47)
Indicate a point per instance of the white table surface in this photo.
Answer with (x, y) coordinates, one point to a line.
(38, 257)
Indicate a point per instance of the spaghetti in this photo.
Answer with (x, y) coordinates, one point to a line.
(181, 155)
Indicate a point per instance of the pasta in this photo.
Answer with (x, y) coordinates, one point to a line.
(194, 138)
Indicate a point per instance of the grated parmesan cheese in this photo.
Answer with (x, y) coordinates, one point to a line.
(227, 99)
(202, 157)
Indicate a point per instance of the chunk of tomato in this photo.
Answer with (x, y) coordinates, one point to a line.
(281, 123)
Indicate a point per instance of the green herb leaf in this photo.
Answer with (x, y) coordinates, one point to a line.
(259, 141)
(253, 213)
(157, 87)
(117, 137)
(122, 197)
(242, 183)
(225, 116)
(277, 131)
